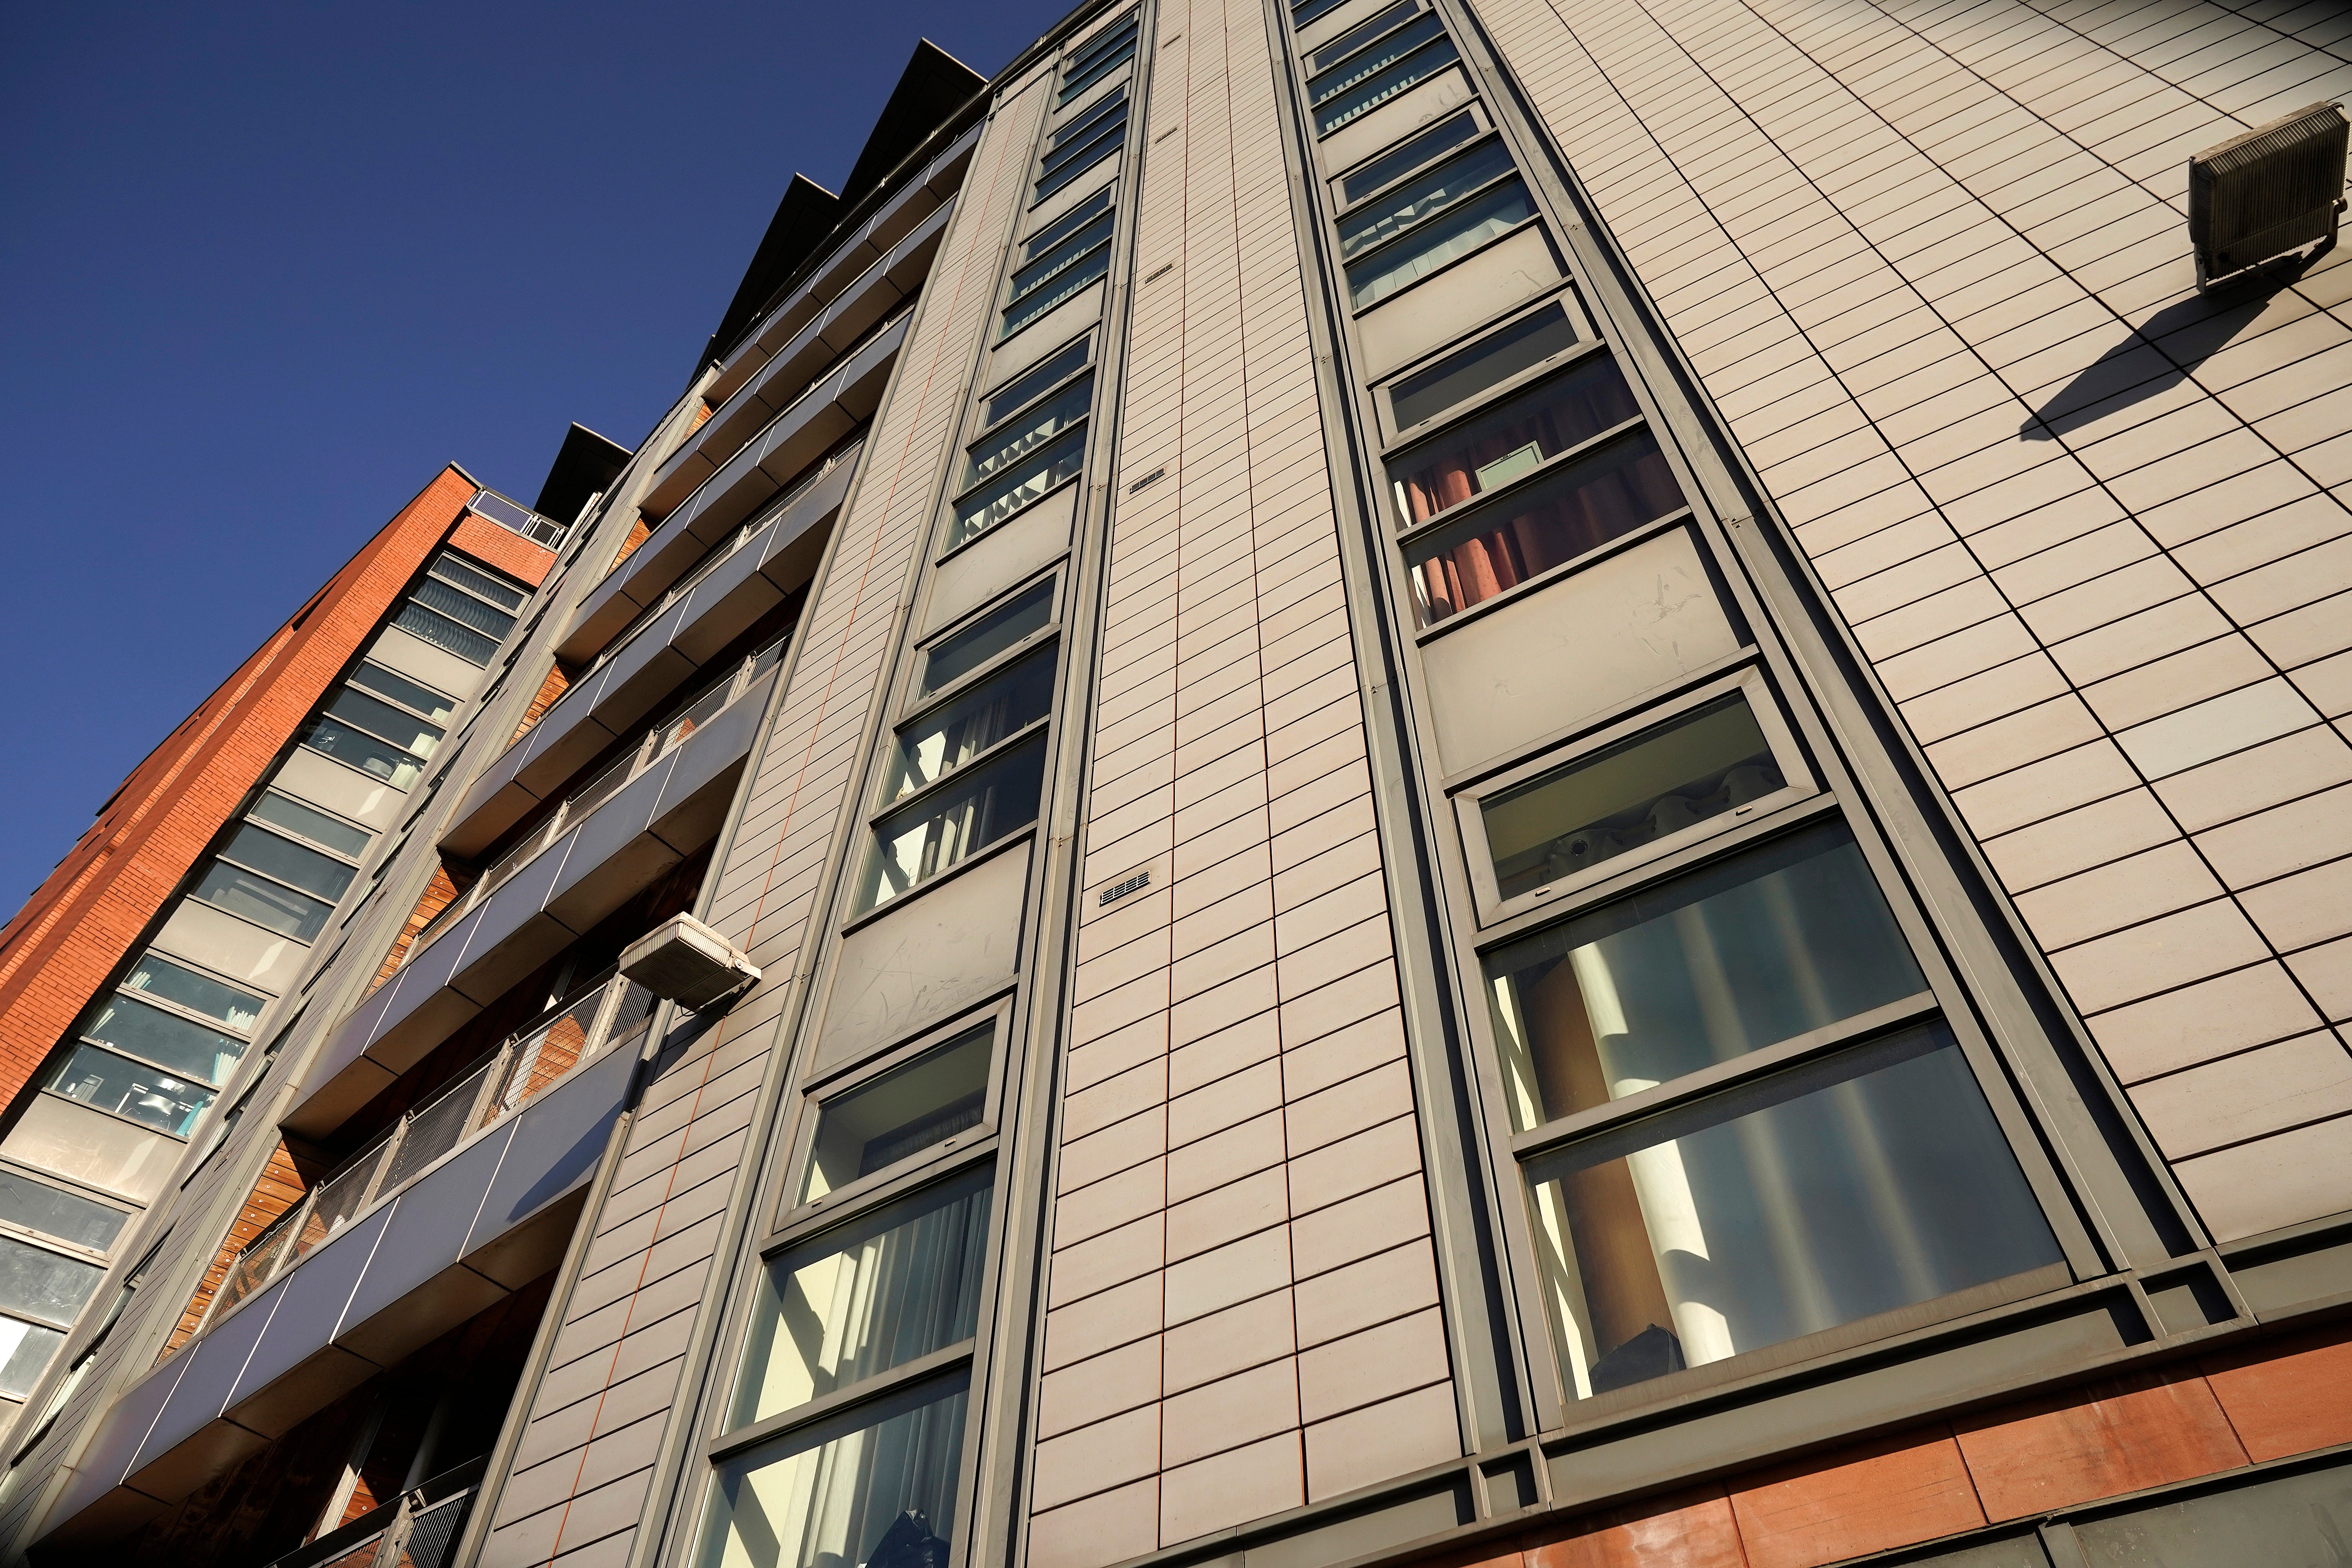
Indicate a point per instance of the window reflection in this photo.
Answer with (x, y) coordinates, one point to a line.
(1491, 361)
(903, 1113)
(1868, 1184)
(1443, 239)
(1694, 970)
(956, 822)
(1431, 144)
(953, 657)
(130, 1089)
(1063, 362)
(888, 1288)
(1417, 199)
(1374, 87)
(1512, 439)
(160, 976)
(1017, 438)
(179, 1043)
(933, 747)
(1705, 764)
(1024, 484)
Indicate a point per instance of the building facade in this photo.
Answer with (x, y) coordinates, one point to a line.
(1473, 782)
(140, 973)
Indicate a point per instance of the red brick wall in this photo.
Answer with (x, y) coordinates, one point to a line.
(511, 552)
(281, 1187)
(81, 922)
(2138, 1429)
(556, 684)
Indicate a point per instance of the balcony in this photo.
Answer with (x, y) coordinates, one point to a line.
(416, 1529)
(472, 1196)
(611, 839)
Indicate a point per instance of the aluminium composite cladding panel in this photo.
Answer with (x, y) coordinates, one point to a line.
(2092, 529)
(1241, 1297)
(579, 1488)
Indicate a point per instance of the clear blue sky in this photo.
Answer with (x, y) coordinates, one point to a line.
(264, 268)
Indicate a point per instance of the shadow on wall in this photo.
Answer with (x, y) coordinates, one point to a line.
(2189, 333)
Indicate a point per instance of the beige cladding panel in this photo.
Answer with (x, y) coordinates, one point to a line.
(582, 1474)
(915, 965)
(2090, 526)
(1453, 302)
(1239, 1295)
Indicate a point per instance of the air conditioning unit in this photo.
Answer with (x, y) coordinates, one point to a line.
(685, 961)
(2276, 188)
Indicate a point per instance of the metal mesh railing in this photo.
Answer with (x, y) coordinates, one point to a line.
(251, 1268)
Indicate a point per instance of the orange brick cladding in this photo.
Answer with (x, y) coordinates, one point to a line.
(511, 552)
(2111, 1436)
(282, 1187)
(80, 923)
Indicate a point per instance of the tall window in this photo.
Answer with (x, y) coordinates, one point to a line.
(462, 607)
(382, 723)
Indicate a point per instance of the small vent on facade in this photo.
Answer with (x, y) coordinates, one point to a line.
(1123, 887)
(1148, 479)
(687, 963)
(2277, 188)
(1162, 271)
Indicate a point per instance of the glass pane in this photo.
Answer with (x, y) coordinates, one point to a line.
(1024, 484)
(132, 1089)
(443, 633)
(1696, 970)
(1706, 763)
(315, 825)
(44, 1284)
(1113, 51)
(1088, 157)
(1476, 222)
(27, 1348)
(880, 1494)
(1416, 199)
(894, 1285)
(1308, 10)
(1083, 140)
(37, 1205)
(260, 850)
(179, 1044)
(1430, 145)
(1066, 284)
(903, 1113)
(1392, 48)
(401, 689)
(934, 746)
(1061, 256)
(1379, 86)
(953, 657)
(1491, 361)
(1091, 52)
(1041, 424)
(463, 608)
(160, 976)
(934, 834)
(1581, 507)
(1357, 36)
(1022, 388)
(1854, 1190)
(447, 566)
(380, 759)
(1081, 128)
(1511, 439)
(403, 728)
(262, 902)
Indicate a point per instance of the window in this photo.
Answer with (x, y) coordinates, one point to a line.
(368, 753)
(1517, 346)
(314, 825)
(1410, 55)
(1422, 149)
(52, 1211)
(1097, 58)
(1066, 141)
(158, 976)
(1357, 36)
(973, 809)
(26, 1348)
(1461, 228)
(263, 901)
(1514, 439)
(379, 718)
(1082, 259)
(1378, 221)
(40, 1283)
(1629, 798)
(903, 1113)
(1876, 1181)
(936, 745)
(1061, 364)
(1017, 488)
(166, 1039)
(1307, 11)
(1580, 506)
(1041, 423)
(130, 1089)
(258, 850)
(461, 608)
(422, 699)
(959, 654)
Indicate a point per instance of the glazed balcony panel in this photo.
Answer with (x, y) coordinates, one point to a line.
(484, 1219)
(669, 810)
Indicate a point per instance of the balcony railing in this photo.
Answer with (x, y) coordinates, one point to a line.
(576, 1031)
(416, 1529)
(495, 508)
(656, 743)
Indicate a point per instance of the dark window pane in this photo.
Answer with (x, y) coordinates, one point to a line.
(1022, 485)
(952, 658)
(903, 1113)
(1061, 362)
(880, 1496)
(1378, 87)
(1018, 438)
(1694, 970)
(258, 850)
(179, 1044)
(1506, 442)
(1491, 361)
(130, 1089)
(160, 976)
(43, 1284)
(370, 755)
(1308, 10)
(1104, 54)
(400, 688)
(1701, 765)
(1470, 227)
(463, 608)
(1395, 46)
(447, 566)
(1357, 36)
(264, 903)
(932, 748)
(1420, 198)
(443, 633)
(890, 1288)
(1066, 281)
(1090, 154)
(1856, 1189)
(1082, 127)
(1583, 506)
(1053, 233)
(315, 825)
(957, 822)
(1428, 147)
(400, 727)
(37, 1205)
(27, 1347)
(1059, 259)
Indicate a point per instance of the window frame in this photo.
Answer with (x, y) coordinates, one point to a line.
(1309, 77)
(1749, 682)
(222, 854)
(73, 1189)
(1084, 67)
(79, 1038)
(58, 1070)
